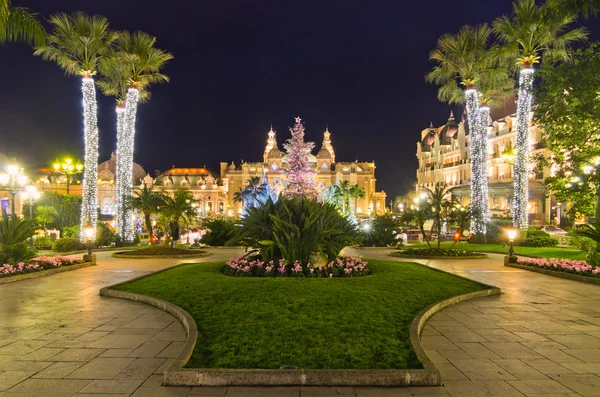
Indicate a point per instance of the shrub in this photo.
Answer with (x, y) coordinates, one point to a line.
(104, 236)
(14, 233)
(382, 232)
(562, 265)
(495, 230)
(71, 231)
(36, 265)
(436, 252)
(42, 243)
(583, 243)
(220, 230)
(137, 238)
(295, 229)
(67, 244)
(538, 238)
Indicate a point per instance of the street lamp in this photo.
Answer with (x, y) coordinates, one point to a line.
(89, 234)
(13, 182)
(512, 234)
(69, 169)
(32, 194)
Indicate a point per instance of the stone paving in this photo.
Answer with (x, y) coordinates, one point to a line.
(59, 338)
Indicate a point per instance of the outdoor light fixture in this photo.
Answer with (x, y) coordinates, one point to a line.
(13, 182)
(32, 194)
(69, 169)
(89, 234)
(512, 234)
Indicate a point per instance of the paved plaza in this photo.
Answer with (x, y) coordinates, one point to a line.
(58, 337)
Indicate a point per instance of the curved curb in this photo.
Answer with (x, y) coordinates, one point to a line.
(43, 273)
(568, 276)
(191, 256)
(482, 256)
(176, 375)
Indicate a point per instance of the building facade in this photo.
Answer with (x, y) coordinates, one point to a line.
(444, 157)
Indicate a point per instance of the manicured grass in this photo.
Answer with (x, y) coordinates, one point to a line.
(543, 252)
(358, 323)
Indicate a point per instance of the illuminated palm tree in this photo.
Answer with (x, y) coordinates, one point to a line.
(17, 24)
(77, 43)
(147, 201)
(175, 208)
(136, 65)
(439, 197)
(465, 59)
(529, 34)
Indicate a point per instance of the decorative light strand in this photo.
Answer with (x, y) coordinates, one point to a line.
(484, 111)
(300, 176)
(478, 158)
(120, 169)
(521, 167)
(89, 205)
(125, 150)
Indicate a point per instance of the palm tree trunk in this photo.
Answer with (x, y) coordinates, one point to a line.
(120, 224)
(126, 150)
(521, 167)
(148, 224)
(89, 205)
(478, 166)
(485, 117)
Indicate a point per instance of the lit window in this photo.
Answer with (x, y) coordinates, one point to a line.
(324, 166)
(273, 166)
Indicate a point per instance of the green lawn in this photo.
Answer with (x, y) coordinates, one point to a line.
(358, 323)
(548, 252)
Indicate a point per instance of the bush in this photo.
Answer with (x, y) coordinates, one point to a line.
(42, 243)
(583, 243)
(71, 231)
(495, 230)
(67, 244)
(538, 238)
(104, 236)
(137, 238)
(295, 229)
(436, 252)
(220, 230)
(14, 233)
(382, 232)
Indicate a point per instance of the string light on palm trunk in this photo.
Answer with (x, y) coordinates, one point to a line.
(121, 167)
(521, 167)
(479, 192)
(483, 142)
(89, 214)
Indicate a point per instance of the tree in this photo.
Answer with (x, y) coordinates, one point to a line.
(418, 214)
(45, 214)
(568, 111)
(466, 59)
(18, 24)
(438, 198)
(461, 218)
(146, 200)
(77, 43)
(176, 207)
(256, 192)
(529, 34)
(137, 64)
(585, 8)
(341, 193)
(299, 173)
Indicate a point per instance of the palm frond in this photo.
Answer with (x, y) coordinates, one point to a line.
(19, 25)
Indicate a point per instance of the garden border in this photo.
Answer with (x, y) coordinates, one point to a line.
(198, 254)
(49, 272)
(569, 276)
(176, 375)
(481, 256)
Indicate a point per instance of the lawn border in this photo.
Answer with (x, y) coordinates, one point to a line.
(177, 375)
(198, 254)
(49, 272)
(481, 256)
(569, 276)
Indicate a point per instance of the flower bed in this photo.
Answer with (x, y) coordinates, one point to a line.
(38, 264)
(435, 252)
(250, 266)
(581, 268)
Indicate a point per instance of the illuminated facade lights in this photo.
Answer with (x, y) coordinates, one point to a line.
(89, 205)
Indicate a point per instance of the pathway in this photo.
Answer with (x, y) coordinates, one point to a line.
(59, 338)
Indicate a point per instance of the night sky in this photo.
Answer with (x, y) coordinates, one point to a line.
(239, 66)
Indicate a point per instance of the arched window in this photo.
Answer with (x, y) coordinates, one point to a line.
(324, 166)
(274, 166)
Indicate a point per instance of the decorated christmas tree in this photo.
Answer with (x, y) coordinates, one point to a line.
(299, 174)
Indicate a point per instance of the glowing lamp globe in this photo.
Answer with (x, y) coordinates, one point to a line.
(88, 231)
(512, 234)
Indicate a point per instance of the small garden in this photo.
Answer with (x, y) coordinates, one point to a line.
(322, 323)
(159, 251)
(37, 264)
(581, 268)
(438, 252)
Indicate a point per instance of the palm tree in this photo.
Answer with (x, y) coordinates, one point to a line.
(585, 8)
(176, 207)
(341, 194)
(256, 192)
(18, 24)
(45, 214)
(438, 197)
(531, 33)
(146, 200)
(465, 59)
(136, 65)
(77, 43)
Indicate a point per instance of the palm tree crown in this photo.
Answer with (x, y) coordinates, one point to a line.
(77, 43)
(18, 24)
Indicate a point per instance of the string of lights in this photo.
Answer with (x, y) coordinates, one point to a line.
(89, 205)
(121, 167)
(521, 167)
(478, 165)
(485, 119)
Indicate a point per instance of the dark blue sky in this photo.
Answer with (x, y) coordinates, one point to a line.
(240, 66)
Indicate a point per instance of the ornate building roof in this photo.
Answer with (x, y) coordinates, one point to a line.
(449, 131)
(108, 169)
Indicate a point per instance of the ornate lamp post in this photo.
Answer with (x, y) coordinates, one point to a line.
(13, 182)
(30, 193)
(69, 169)
(512, 234)
(88, 231)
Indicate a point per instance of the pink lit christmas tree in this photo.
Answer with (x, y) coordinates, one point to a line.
(299, 174)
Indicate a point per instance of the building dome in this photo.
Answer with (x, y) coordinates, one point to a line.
(324, 154)
(429, 140)
(449, 131)
(275, 153)
(108, 169)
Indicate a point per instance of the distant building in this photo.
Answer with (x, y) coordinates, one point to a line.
(443, 153)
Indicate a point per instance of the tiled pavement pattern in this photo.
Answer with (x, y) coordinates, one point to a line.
(59, 338)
